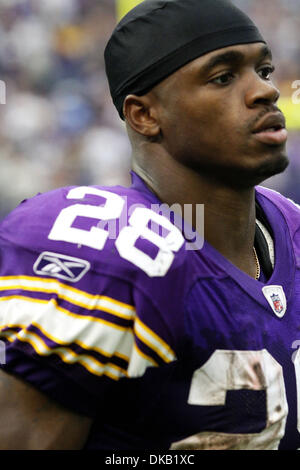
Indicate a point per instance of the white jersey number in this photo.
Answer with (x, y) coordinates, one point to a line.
(96, 237)
(236, 370)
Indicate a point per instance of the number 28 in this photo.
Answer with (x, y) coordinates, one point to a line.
(125, 243)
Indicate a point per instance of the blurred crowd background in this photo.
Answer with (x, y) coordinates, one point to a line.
(59, 127)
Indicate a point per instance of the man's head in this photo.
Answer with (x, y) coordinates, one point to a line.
(194, 76)
(159, 36)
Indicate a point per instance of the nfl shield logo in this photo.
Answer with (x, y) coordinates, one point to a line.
(276, 298)
(278, 307)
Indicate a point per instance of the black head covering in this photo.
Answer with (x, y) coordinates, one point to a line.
(159, 36)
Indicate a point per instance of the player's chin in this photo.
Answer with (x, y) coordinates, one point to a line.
(271, 163)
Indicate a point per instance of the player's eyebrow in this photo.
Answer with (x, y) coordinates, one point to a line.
(233, 58)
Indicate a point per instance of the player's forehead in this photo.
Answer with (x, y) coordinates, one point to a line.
(203, 65)
(240, 53)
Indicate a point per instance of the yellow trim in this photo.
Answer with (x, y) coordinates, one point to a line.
(66, 312)
(8, 335)
(146, 341)
(12, 325)
(80, 343)
(159, 352)
(144, 356)
(63, 310)
(24, 336)
(94, 298)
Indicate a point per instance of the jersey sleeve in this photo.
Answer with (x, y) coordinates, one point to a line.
(73, 338)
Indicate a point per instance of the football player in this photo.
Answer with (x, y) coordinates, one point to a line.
(119, 331)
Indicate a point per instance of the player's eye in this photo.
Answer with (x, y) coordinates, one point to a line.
(266, 72)
(223, 79)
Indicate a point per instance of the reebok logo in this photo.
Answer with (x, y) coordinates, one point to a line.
(61, 266)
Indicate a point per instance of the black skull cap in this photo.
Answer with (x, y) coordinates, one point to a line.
(157, 37)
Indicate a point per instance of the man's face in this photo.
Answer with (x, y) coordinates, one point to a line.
(218, 115)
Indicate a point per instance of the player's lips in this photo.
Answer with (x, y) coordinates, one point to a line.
(271, 129)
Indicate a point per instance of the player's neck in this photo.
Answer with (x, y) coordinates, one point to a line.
(229, 213)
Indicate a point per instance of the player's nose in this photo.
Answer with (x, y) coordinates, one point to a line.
(260, 91)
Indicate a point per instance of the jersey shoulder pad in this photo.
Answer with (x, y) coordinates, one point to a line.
(72, 210)
(115, 230)
(289, 209)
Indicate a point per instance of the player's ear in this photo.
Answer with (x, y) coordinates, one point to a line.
(141, 115)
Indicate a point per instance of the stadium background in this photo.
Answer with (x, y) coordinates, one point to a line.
(59, 127)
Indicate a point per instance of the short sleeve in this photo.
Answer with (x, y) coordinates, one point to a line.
(75, 319)
(73, 341)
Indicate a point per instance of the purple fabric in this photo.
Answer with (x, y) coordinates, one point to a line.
(202, 304)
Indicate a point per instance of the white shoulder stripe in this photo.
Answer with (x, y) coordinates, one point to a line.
(139, 362)
(153, 341)
(70, 294)
(66, 354)
(65, 328)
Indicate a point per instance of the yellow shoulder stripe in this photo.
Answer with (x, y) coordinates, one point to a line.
(69, 294)
(63, 310)
(66, 354)
(153, 341)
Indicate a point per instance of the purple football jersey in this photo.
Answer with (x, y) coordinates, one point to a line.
(104, 308)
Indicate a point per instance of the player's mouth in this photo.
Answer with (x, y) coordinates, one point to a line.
(271, 129)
